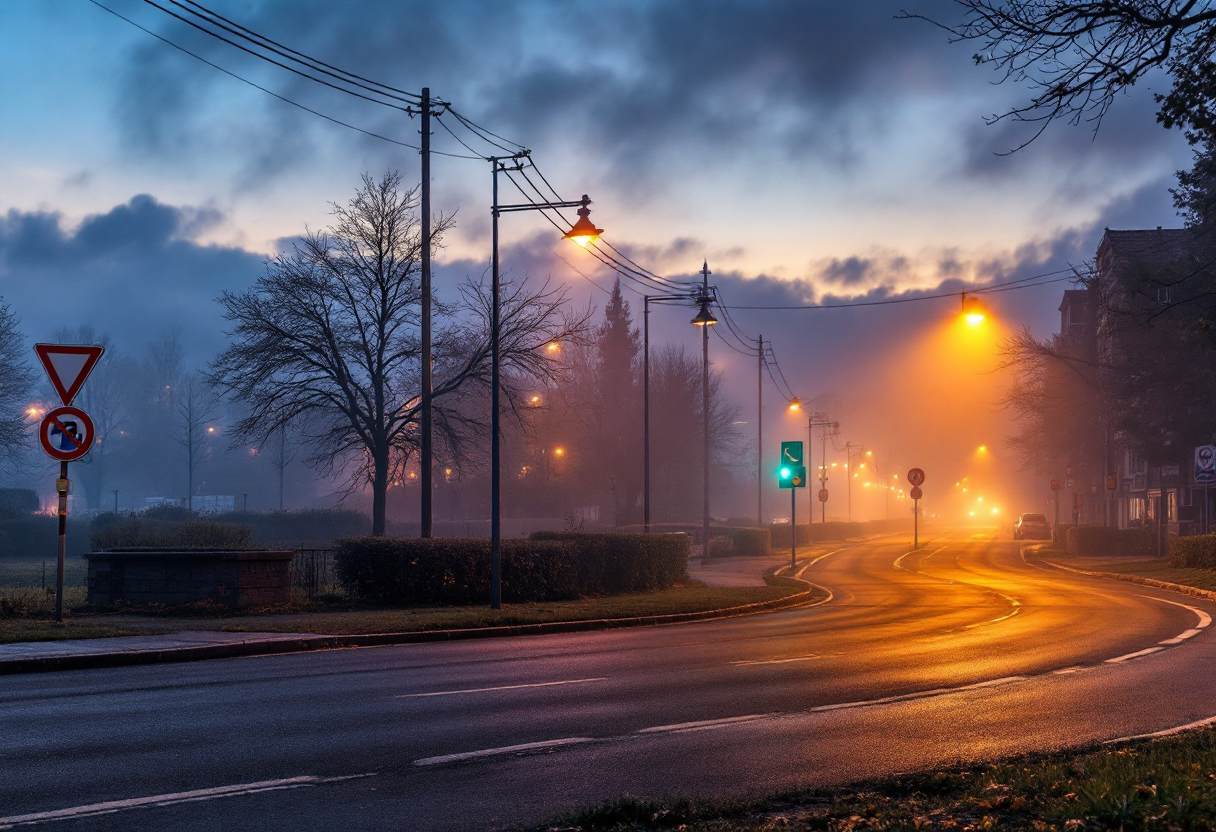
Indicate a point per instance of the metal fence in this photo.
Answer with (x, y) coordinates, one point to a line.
(312, 573)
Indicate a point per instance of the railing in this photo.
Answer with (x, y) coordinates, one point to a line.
(312, 572)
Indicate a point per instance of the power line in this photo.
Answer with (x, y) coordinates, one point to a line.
(890, 301)
(259, 87)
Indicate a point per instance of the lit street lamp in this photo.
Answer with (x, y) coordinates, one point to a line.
(582, 233)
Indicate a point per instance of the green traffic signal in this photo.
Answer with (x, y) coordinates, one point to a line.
(791, 476)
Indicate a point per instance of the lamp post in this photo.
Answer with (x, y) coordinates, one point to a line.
(705, 319)
(646, 301)
(850, 449)
(582, 233)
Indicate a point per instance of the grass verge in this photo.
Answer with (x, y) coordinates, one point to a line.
(339, 617)
(1156, 568)
(1166, 784)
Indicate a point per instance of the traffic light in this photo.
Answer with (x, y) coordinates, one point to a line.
(791, 476)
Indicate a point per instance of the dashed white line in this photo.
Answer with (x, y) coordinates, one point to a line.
(1147, 651)
(1169, 732)
(705, 724)
(500, 687)
(780, 661)
(112, 806)
(506, 749)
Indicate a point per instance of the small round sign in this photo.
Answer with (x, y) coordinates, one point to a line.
(916, 476)
(1055, 485)
(823, 495)
(66, 433)
(916, 493)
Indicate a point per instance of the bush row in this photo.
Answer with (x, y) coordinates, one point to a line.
(552, 566)
(1197, 550)
(1103, 540)
(114, 531)
(36, 537)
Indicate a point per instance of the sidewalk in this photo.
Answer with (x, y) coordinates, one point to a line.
(79, 654)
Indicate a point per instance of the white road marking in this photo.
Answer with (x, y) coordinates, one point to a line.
(1181, 637)
(500, 687)
(781, 661)
(705, 724)
(1169, 732)
(1066, 670)
(1147, 651)
(112, 806)
(506, 749)
(1204, 618)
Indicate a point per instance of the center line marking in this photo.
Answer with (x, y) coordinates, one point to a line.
(704, 724)
(112, 806)
(780, 661)
(500, 687)
(506, 749)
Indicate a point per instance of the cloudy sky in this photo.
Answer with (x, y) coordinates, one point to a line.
(809, 151)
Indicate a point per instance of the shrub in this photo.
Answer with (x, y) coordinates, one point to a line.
(37, 536)
(751, 542)
(721, 547)
(1195, 551)
(415, 571)
(307, 528)
(18, 501)
(1059, 534)
(168, 512)
(611, 563)
(1103, 540)
(139, 532)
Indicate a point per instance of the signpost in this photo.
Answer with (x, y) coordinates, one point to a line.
(1055, 493)
(1205, 472)
(916, 477)
(67, 432)
(792, 475)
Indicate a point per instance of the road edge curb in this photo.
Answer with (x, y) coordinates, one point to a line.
(1182, 589)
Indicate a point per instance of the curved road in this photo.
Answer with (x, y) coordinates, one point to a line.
(962, 650)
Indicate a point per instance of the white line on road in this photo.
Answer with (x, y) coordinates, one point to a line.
(506, 749)
(705, 724)
(1181, 637)
(500, 687)
(781, 661)
(1136, 655)
(1169, 732)
(112, 806)
(1204, 618)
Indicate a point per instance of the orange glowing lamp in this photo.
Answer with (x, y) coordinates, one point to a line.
(584, 231)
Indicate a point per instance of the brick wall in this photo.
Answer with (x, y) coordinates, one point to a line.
(236, 578)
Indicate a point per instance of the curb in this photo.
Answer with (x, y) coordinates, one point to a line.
(1182, 589)
(126, 658)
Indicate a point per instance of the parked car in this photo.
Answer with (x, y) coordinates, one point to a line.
(1032, 527)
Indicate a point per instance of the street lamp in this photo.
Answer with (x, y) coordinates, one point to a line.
(974, 311)
(646, 301)
(582, 233)
(705, 319)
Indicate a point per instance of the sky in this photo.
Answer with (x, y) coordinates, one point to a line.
(807, 151)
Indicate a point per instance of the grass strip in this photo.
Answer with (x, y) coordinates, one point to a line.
(1158, 569)
(1165, 784)
(338, 617)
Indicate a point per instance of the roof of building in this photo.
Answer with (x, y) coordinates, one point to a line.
(1144, 246)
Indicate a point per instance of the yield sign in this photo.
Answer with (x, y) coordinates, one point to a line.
(68, 365)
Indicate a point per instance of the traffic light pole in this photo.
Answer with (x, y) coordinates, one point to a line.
(793, 531)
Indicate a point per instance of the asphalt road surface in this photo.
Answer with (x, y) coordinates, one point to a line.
(962, 650)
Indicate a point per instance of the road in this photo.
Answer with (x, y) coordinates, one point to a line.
(962, 650)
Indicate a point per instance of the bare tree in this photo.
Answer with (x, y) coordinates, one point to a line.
(282, 452)
(1076, 57)
(330, 334)
(15, 383)
(195, 405)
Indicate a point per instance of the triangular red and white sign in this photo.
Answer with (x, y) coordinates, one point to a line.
(68, 365)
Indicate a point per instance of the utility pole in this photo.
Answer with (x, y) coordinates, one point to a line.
(705, 273)
(760, 433)
(848, 474)
(426, 454)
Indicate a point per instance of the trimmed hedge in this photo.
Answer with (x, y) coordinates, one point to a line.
(36, 537)
(552, 566)
(1198, 550)
(1103, 540)
(751, 542)
(611, 563)
(114, 532)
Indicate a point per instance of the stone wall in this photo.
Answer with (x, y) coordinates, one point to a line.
(156, 576)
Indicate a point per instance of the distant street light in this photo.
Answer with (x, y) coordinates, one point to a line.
(974, 311)
(582, 233)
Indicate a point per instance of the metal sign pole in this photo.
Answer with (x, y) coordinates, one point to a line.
(915, 524)
(793, 531)
(62, 487)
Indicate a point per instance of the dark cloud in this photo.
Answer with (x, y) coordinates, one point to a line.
(132, 272)
(848, 272)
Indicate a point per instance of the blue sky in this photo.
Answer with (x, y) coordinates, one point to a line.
(806, 149)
